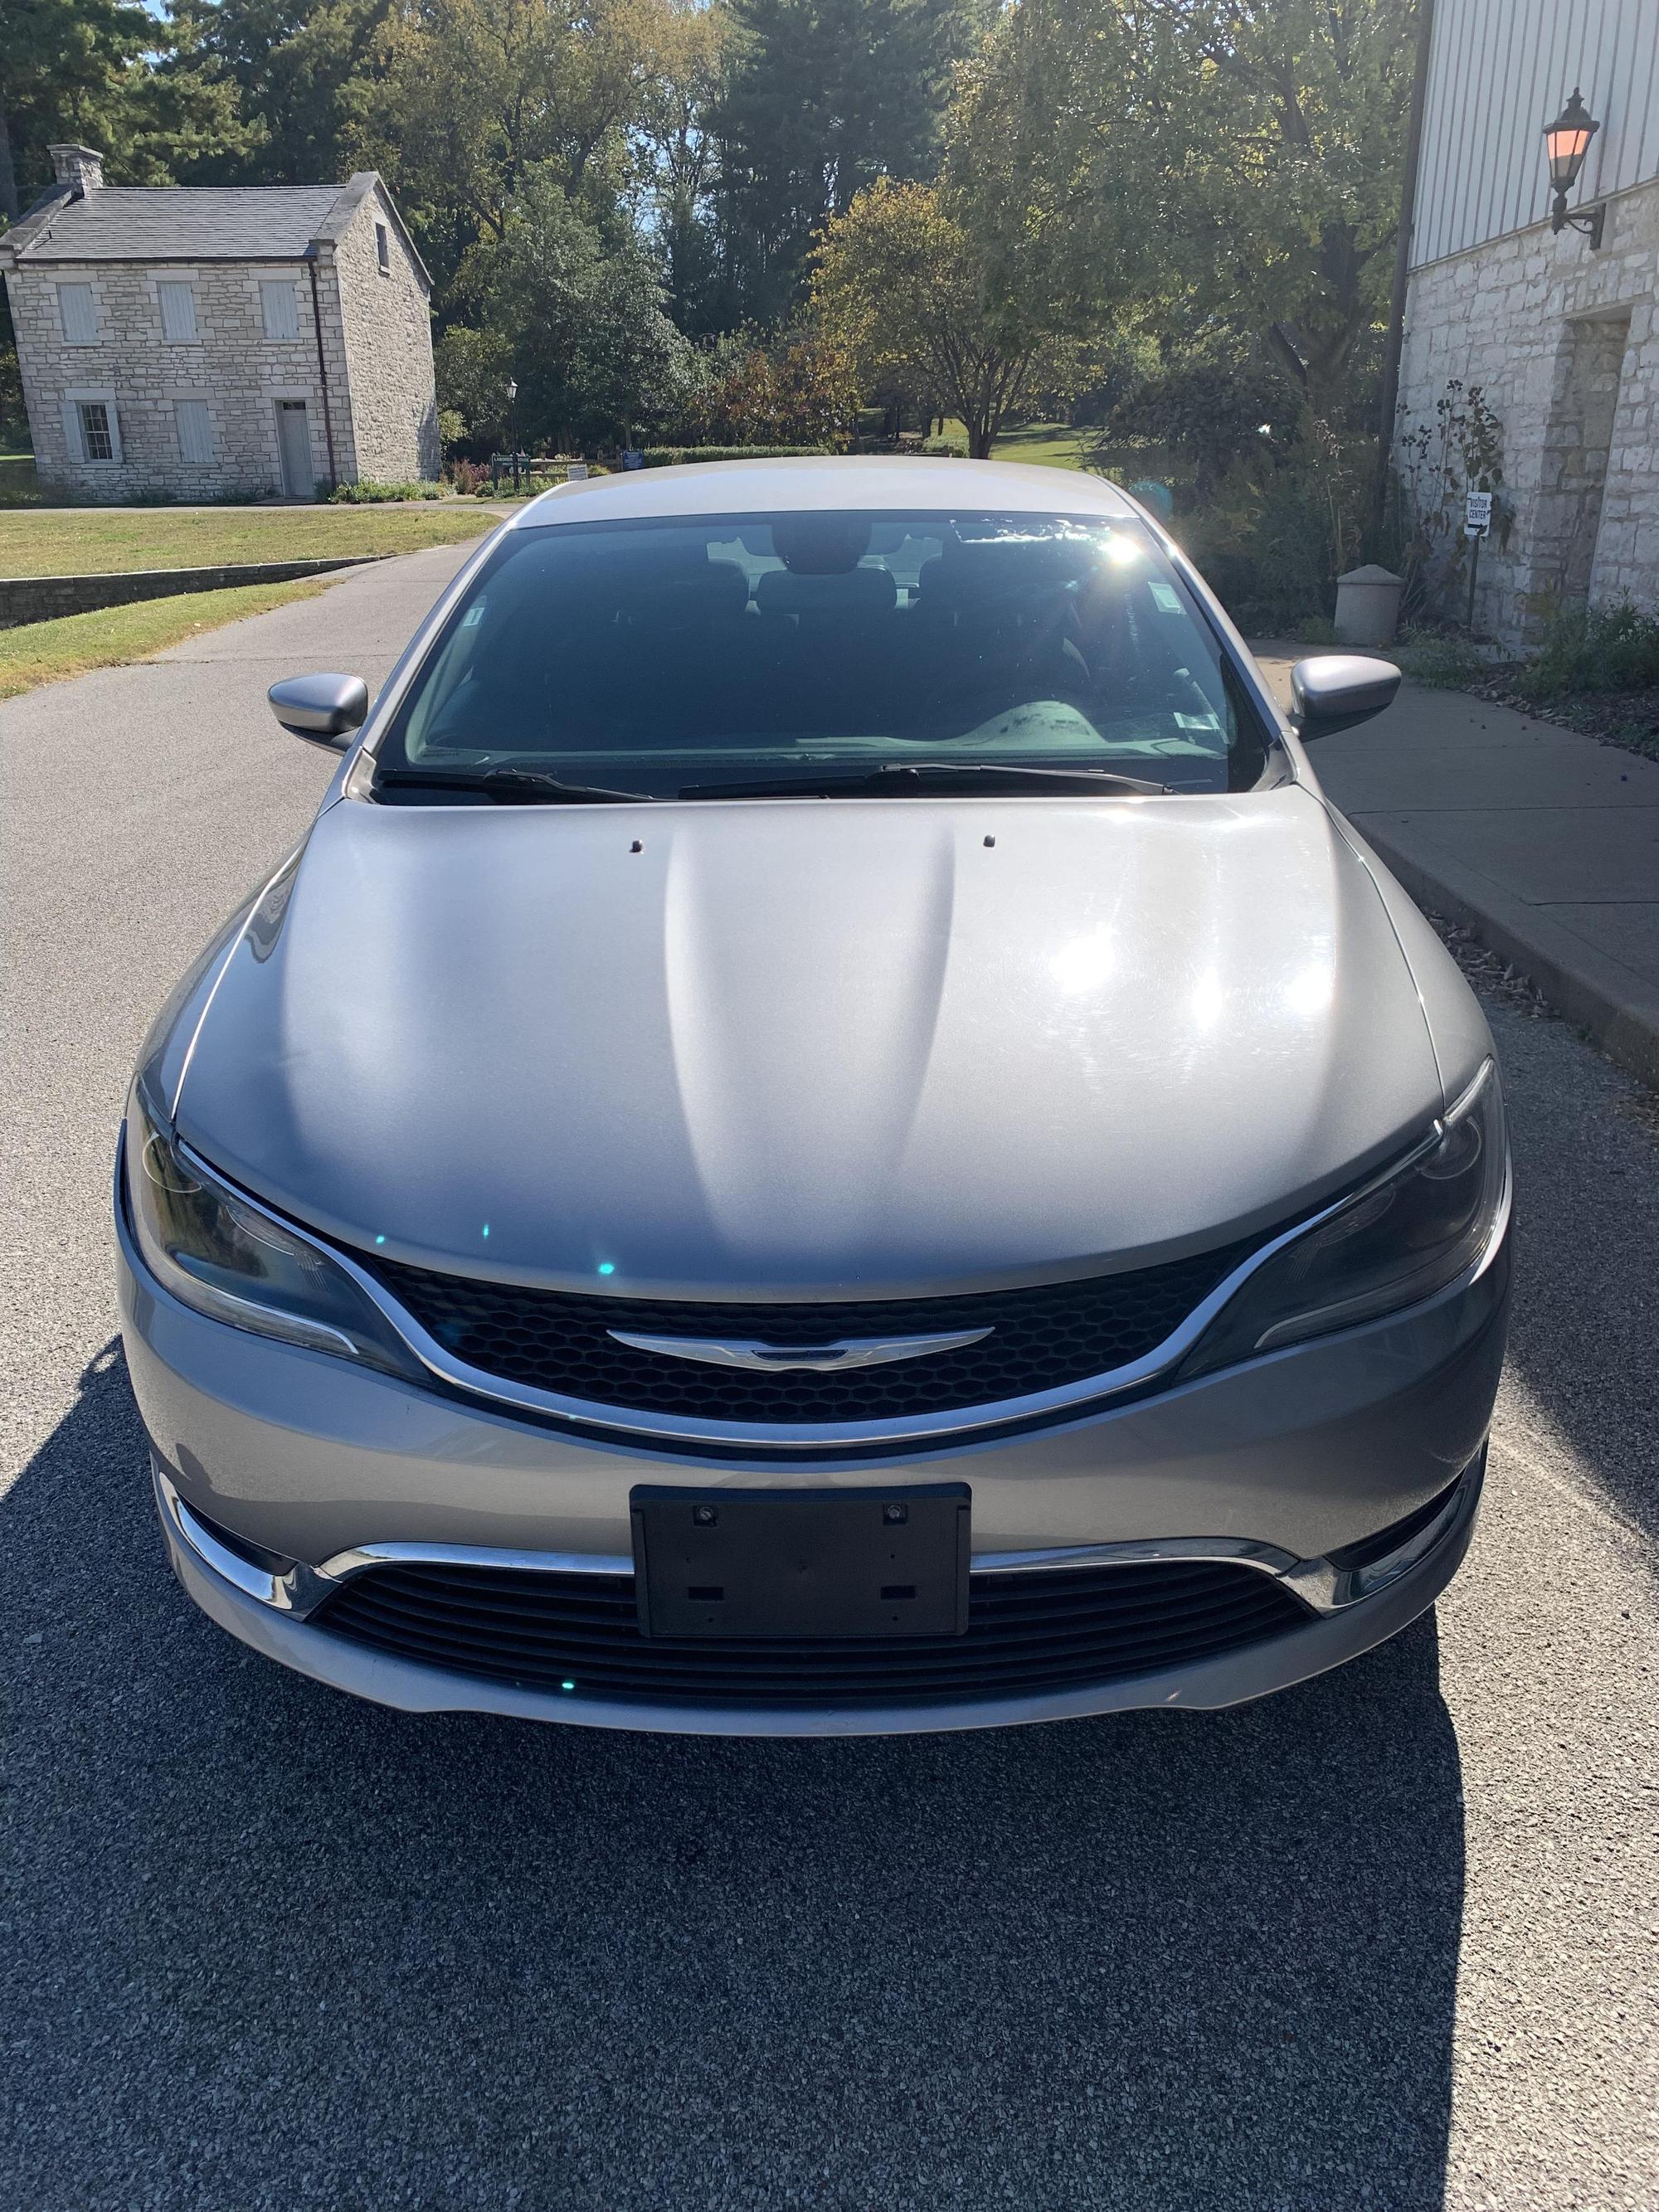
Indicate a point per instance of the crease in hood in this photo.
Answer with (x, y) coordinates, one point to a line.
(812, 1047)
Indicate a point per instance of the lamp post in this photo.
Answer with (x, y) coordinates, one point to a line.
(1567, 141)
(513, 427)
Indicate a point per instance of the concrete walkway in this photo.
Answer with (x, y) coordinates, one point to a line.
(1545, 843)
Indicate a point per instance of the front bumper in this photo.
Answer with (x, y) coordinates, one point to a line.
(1274, 1465)
(250, 1602)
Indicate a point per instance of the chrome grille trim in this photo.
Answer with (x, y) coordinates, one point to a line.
(791, 1439)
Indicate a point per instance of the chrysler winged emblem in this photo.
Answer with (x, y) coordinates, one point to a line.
(820, 1359)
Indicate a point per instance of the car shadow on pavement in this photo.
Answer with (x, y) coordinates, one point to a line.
(1581, 1366)
(275, 1947)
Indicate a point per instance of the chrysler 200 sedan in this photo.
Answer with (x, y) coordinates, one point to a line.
(826, 1134)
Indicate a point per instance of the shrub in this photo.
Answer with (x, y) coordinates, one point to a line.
(1613, 648)
(370, 493)
(1438, 464)
(467, 476)
(756, 391)
(1445, 664)
(953, 448)
(672, 457)
(1280, 528)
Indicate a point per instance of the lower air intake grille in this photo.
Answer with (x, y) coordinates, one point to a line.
(1039, 1338)
(1047, 1629)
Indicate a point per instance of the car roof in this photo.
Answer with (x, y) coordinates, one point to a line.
(920, 484)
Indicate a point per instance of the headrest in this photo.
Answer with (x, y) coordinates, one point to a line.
(854, 592)
(691, 591)
(1010, 571)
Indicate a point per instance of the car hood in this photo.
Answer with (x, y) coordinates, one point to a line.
(810, 1046)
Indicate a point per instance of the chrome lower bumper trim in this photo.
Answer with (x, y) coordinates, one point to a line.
(1323, 1588)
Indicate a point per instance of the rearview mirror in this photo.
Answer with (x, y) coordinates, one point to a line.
(324, 708)
(1337, 689)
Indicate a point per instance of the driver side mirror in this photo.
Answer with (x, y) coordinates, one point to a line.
(324, 708)
(1336, 689)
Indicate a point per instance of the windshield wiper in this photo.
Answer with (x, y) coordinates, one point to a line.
(510, 787)
(925, 776)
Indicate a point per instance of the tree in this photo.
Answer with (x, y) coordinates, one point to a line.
(472, 98)
(1213, 405)
(679, 160)
(796, 389)
(302, 77)
(585, 321)
(96, 71)
(821, 98)
(473, 368)
(1254, 144)
(901, 283)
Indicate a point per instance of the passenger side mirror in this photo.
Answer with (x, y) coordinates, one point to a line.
(1337, 689)
(324, 708)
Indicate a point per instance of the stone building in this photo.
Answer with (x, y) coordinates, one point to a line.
(206, 342)
(1556, 329)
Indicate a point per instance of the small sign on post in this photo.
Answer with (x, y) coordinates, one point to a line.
(1477, 525)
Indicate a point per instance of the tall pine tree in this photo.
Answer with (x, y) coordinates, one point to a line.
(821, 98)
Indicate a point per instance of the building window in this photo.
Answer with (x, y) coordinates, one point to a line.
(78, 312)
(383, 249)
(178, 312)
(96, 443)
(90, 429)
(279, 307)
(194, 428)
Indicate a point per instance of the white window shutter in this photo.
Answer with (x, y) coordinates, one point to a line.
(281, 309)
(78, 313)
(178, 311)
(195, 426)
(72, 430)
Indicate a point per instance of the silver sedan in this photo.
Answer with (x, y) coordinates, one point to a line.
(827, 1133)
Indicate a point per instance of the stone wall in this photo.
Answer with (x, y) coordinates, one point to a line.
(1564, 344)
(43, 598)
(388, 347)
(230, 365)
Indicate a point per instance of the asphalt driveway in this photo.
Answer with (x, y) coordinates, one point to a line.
(1386, 1940)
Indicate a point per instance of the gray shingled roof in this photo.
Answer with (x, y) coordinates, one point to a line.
(126, 222)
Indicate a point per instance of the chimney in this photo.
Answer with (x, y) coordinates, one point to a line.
(81, 166)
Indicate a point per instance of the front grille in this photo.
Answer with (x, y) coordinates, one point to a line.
(1040, 1630)
(1040, 1339)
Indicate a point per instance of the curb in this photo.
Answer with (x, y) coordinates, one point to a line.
(25, 600)
(1615, 1007)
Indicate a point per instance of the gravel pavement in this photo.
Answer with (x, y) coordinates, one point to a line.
(1388, 1940)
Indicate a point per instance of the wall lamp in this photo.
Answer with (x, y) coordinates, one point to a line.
(1567, 141)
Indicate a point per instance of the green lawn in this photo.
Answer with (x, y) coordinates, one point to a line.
(73, 541)
(1039, 445)
(1043, 445)
(42, 652)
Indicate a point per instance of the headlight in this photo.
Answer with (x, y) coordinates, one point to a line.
(1392, 1243)
(217, 1252)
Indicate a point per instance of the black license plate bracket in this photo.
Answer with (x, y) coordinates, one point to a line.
(797, 1564)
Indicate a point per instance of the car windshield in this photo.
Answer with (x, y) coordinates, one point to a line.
(653, 659)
